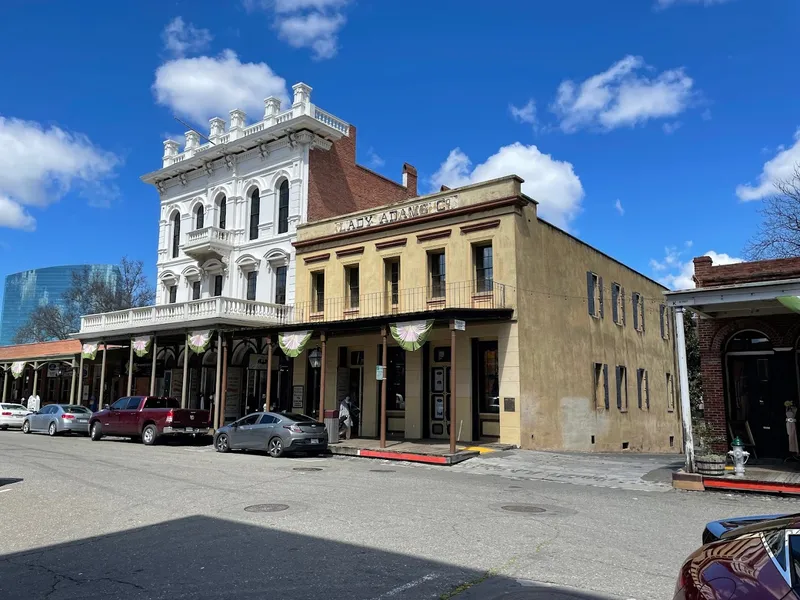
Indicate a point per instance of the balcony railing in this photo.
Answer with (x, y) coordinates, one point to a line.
(485, 294)
(208, 241)
(208, 310)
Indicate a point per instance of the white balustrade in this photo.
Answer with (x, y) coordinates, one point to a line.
(331, 121)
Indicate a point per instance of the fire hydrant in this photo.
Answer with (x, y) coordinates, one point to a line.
(740, 456)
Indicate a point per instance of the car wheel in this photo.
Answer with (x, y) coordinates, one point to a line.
(149, 435)
(26, 427)
(3, 427)
(275, 447)
(52, 430)
(96, 432)
(222, 444)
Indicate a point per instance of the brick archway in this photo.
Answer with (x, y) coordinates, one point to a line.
(720, 338)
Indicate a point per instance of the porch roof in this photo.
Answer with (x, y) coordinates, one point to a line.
(40, 351)
(736, 300)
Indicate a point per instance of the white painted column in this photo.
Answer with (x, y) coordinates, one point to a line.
(71, 384)
(683, 375)
(5, 383)
(184, 398)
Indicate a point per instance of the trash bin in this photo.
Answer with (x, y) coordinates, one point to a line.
(332, 423)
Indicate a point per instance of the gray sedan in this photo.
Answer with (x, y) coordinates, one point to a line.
(277, 433)
(58, 418)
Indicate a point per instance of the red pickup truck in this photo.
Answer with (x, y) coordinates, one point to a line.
(149, 418)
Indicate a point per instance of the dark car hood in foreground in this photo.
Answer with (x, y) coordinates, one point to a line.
(715, 529)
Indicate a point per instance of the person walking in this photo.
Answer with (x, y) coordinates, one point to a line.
(345, 416)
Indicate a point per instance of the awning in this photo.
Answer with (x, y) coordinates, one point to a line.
(738, 300)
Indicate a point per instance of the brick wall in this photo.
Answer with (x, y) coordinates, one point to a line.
(706, 274)
(337, 185)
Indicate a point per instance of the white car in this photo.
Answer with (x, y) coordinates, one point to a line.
(12, 415)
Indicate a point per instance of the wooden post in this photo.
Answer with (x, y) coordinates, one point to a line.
(217, 381)
(80, 379)
(72, 384)
(267, 403)
(130, 370)
(453, 387)
(322, 365)
(35, 377)
(102, 378)
(383, 388)
(224, 391)
(185, 371)
(153, 369)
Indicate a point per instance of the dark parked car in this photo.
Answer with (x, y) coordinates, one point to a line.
(277, 433)
(745, 557)
(149, 418)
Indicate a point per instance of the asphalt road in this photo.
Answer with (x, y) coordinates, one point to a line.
(116, 519)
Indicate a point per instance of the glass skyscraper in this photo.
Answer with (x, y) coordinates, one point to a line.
(26, 290)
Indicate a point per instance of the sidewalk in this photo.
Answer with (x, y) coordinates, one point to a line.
(427, 452)
(638, 472)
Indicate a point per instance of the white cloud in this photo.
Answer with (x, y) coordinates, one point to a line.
(181, 38)
(778, 168)
(618, 206)
(668, 3)
(203, 87)
(624, 95)
(39, 165)
(311, 24)
(373, 158)
(553, 183)
(677, 274)
(670, 128)
(525, 114)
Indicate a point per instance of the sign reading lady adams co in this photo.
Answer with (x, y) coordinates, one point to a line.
(394, 215)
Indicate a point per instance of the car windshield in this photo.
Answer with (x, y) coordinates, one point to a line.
(76, 410)
(12, 407)
(297, 417)
(162, 403)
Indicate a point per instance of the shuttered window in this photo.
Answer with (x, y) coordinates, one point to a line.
(622, 388)
(643, 389)
(601, 400)
(594, 294)
(664, 313)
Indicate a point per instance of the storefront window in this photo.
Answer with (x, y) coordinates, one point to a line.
(488, 377)
(395, 378)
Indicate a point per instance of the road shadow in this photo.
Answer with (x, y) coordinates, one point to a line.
(205, 558)
(9, 480)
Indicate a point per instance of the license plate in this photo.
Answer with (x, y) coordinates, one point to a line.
(314, 441)
(83, 420)
(191, 430)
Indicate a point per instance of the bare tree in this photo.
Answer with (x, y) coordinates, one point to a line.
(779, 232)
(90, 292)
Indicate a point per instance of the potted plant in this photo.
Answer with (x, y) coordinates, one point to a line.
(706, 460)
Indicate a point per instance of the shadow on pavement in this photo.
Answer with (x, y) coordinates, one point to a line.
(9, 480)
(209, 558)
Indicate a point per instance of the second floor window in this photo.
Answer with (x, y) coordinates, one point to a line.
(255, 213)
(283, 207)
(318, 291)
(252, 279)
(643, 389)
(200, 216)
(437, 279)
(594, 294)
(638, 311)
(618, 303)
(280, 285)
(484, 268)
(218, 285)
(393, 281)
(176, 235)
(223, 212)
(173, 294)
(664, 313)
(195, 290)
(351, 282)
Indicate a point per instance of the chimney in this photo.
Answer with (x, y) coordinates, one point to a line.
(217, 128)
(444, 188)
(170, 151)
(192, 141)
(410, 179)
(272, 106)
(702, 269)
(302, 97)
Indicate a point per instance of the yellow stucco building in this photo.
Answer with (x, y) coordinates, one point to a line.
(557, 345)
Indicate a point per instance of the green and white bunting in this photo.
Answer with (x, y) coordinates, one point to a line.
(293, 343)
(199, 340)
(790, 302)
(411, 335)
(17, 368)
(89, 351)
(141, 345)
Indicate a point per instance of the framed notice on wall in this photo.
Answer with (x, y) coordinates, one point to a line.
(298, 396)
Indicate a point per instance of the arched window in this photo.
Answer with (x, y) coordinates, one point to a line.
(283, 207)
(255, 213)
(223, 211)
(749, 341)
(200, 215)
(176, 234)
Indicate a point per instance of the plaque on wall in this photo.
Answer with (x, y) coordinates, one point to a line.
(509, 404)
(298, 396)
(441, 354)
(438, 406)
(437, 379)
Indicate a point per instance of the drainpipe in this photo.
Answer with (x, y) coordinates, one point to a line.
(683, 375)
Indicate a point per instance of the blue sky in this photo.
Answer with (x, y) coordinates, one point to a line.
(650, 128)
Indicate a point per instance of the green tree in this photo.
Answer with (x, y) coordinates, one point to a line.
(690, 323)
(90, 292)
